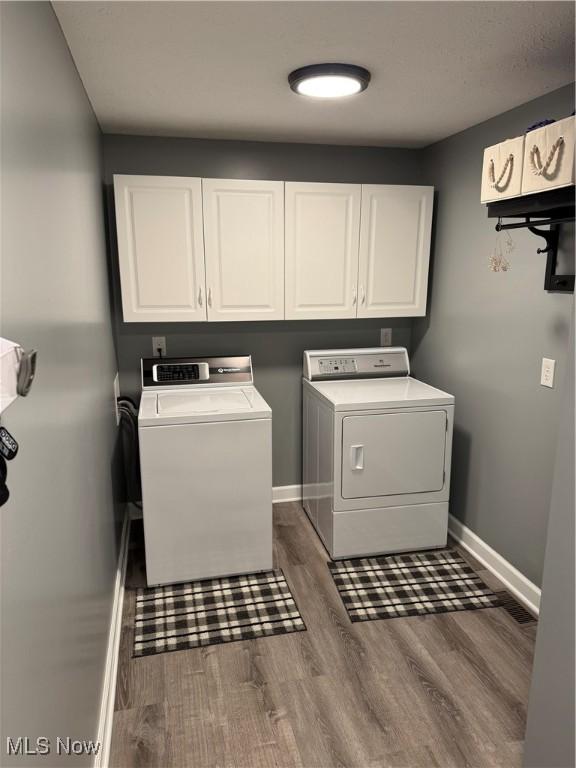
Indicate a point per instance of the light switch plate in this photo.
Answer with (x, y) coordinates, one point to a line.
(385, 337)
(547, 373)
(158, 343)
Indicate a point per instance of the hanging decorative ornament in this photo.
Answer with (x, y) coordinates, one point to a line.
(498, 260)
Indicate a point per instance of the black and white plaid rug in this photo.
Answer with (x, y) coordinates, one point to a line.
(180, 616)
(409, 585)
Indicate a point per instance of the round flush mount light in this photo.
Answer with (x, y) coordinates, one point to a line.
(329, 81)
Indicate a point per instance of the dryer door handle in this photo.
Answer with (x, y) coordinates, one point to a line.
(357, 457)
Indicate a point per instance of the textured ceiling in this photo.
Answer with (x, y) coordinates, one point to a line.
(218, 69)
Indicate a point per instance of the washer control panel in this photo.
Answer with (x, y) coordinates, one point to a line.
(173, 372)
(177, 372)
(371, 363)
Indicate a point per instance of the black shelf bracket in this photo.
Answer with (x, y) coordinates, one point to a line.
(544, 209)
(552, 281)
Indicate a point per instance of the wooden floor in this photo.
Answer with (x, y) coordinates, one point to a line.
(444, 690)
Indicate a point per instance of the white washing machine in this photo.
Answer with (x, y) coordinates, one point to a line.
(205, 437)
(376, 453)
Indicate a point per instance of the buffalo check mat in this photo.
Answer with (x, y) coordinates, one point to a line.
(409, 585)
(180, 616)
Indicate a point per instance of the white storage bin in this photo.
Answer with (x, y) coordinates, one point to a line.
(9, 363)
(502, 170)
(549, 157)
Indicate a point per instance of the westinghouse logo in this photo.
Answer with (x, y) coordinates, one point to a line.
(42, 745)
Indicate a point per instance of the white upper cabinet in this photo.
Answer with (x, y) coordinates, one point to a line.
(244, 249)
(394, 250)
(322, 230)
(160, 248)
(218, 249)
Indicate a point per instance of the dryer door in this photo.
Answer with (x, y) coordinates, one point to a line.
(389, 454)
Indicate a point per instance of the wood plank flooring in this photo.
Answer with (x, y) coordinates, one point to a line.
(448, 690)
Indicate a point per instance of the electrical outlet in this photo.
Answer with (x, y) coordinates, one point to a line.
(385, 337)
(116, 396)
(547, 374)
(158, 346)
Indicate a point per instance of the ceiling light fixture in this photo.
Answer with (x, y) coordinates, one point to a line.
(329, 81)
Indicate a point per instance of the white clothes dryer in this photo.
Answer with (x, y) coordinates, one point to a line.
(376, 453)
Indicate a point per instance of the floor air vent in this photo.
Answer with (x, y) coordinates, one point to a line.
(517, 611)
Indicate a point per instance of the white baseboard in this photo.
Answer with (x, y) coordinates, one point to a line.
(286, 493)
(514, 581)
(111, 666)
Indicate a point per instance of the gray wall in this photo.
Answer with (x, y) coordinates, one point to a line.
(59, 545)
(484, 339)
(550, 726)
(276, 346)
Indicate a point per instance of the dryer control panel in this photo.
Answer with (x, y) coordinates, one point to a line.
(328, 366)
(371, 363)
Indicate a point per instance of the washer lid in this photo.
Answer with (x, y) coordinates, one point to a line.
(192, 406)
(215, 401)
(371, 394)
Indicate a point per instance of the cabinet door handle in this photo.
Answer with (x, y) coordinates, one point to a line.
(362, 295)
(356, 457)
(354, 296)
(210, 297)
(200, 296)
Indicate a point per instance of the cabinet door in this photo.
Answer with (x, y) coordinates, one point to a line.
(322, 229)
(244, 247)
(160, 248)
(394, 250)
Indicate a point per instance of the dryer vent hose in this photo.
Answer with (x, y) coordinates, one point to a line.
(129, 431)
